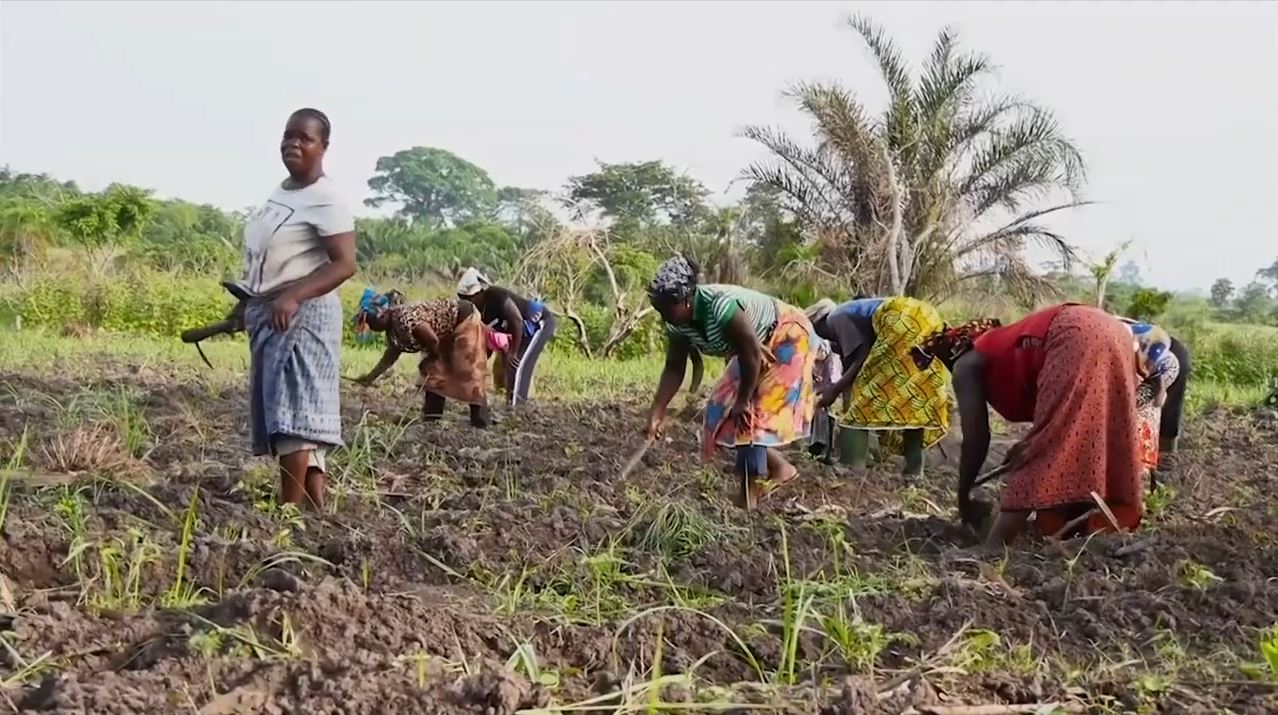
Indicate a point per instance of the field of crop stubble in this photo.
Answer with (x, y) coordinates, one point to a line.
(147, 567)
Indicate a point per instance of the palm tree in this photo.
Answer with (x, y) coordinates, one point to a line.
(944, 185)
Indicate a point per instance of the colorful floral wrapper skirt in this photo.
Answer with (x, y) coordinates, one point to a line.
(784, 400)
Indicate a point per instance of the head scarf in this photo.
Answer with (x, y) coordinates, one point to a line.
(819, 309)
(675, 280)
(532, 323)
(472, 282)
(372, 303)
(951, 343)
(1153, 349)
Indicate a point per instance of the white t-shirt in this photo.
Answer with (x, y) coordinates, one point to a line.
(284, 238)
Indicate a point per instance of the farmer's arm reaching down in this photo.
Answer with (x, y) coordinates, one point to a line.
(974, 413)
(850, 371)
(515, 320)
(426, 338)
(853, 349)
(671, 378)
(387, 362)
(698, 370)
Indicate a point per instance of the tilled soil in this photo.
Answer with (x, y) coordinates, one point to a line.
(147, 569)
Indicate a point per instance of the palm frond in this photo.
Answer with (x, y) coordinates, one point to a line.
(948, 82)
(891, 66)
(1024, 161)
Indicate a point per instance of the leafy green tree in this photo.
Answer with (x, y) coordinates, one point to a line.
(27, 228)
(1148, 303)
(34, 186)
(945, 184)
(1270, 275)
(636, 195)
(1221, 293)
(399, 249)
(112, 218)
(183, 235)
(432, 186)
(1254, 304)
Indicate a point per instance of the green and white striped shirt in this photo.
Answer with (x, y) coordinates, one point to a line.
(713, 307)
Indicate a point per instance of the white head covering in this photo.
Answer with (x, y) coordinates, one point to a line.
(472, 282)
(819, 309)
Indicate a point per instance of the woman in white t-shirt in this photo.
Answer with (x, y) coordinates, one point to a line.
(299, 247)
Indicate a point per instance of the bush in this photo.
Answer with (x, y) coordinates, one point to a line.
(1242, 356)
(647, 339)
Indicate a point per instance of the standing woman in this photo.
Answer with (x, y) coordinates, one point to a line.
(907, 405)
(450, 338)
(529, 323)
(765, 398)
(299, 248)
(1071, 371)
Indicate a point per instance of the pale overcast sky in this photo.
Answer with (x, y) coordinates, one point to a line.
(1175, 105)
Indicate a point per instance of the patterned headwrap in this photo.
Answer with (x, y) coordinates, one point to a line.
(950, 343)
(675, 280)
(536, 308)
(1153, 349)
(372, 303)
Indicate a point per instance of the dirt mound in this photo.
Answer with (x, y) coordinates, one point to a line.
(493, 571)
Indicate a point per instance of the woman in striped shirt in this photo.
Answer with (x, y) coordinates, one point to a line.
(765, 398)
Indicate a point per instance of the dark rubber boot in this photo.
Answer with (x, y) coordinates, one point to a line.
(432, 407)
(854, 447)
(913, 448)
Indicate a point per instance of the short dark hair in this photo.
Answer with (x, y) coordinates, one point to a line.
(326, 127)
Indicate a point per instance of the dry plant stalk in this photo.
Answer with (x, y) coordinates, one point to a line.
(96, 449)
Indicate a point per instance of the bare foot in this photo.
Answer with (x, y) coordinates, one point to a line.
(762, 488)
(986, 551)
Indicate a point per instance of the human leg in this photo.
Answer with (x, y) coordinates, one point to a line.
(1174, 405)
(480, 416)
(1007, 526)
(751, 469)
(303, 473)
(530, 352)
(432, 406)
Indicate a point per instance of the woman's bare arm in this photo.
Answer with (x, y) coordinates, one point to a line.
(974, 413)
(668, 385)
(389, 356)
(426, 338)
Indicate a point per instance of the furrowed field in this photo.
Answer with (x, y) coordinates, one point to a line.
(146, 565)
(148, 568)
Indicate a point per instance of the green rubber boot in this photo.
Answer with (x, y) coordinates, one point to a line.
(913, 448)
(854, 447)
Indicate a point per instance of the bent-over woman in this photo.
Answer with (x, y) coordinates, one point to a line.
(765, 398)
(1070, 370)
(908, 406)
(451, 340)
(1160, 396)
(299, 247)
(529, 323)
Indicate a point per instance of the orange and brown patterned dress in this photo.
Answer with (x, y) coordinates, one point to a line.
(458, 368)
(1071, 371)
